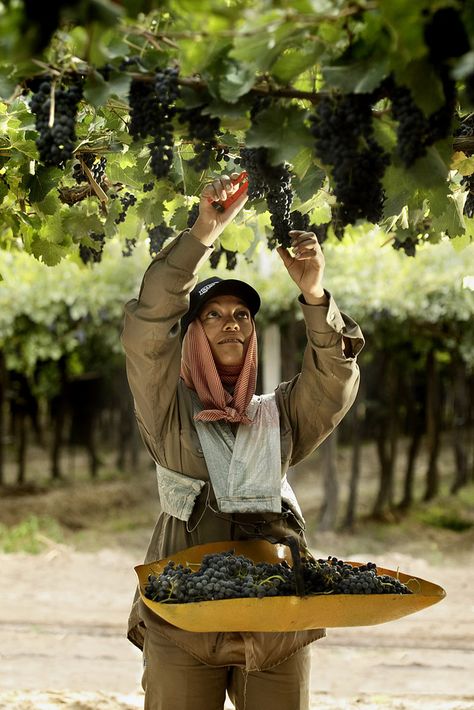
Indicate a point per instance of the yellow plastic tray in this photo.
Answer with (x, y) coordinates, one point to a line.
(291, 613)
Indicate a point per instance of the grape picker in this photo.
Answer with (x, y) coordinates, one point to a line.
(222, 453)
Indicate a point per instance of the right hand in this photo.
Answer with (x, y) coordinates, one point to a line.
(211, 223)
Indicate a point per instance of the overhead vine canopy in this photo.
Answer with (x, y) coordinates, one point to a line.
(114, 114)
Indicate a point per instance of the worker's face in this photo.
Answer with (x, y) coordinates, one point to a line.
(227, 323)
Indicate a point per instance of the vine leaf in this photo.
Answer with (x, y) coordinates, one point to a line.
(237, 81)
(358, 77)
(283, 130)
(451, 219)
(48, 252)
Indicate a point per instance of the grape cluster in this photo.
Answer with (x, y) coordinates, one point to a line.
(203, 130)
(440, 121)
(467, 129)
(225, 575)
(193, 214)
(158, 236)
(343, 139)
(408, 244)
(151, 112)
(126, 200)
(415, 131)
(96, 166)
(230, 257)
(301, 222)
(55, 143)
(92, 254)
(411, 129)
(130, 244)
(274, 183)
(222, 154)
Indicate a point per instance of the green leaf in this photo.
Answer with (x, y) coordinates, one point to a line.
(77, 224)
(150, 210)
(359, 78)
(449, 221)
(310, 184)
(283, 130)
(48, 252)
(179, 218)
(28, 148)
(293, 61)
(237, 237)
(302, 162)
(50, 205)
(422, 80)
(52, 228)
(42, 182)
(236, 81)
(96, 89)
(255, 49)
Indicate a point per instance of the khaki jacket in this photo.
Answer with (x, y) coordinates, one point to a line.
(310, 407)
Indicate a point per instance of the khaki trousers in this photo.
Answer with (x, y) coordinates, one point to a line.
(175, 680)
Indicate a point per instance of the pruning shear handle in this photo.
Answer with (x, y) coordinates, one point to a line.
(244, 183)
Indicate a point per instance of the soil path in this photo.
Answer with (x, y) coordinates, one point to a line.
(62, 640)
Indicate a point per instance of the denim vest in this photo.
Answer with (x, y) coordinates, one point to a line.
(245, 470)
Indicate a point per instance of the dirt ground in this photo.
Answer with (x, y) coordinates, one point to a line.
(63, 611)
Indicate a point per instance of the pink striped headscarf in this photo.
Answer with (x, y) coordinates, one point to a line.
(200, 373)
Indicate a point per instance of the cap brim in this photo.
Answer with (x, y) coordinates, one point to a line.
(226, 287)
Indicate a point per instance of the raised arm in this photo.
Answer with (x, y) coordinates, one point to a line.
(151, 335)
(313, 403)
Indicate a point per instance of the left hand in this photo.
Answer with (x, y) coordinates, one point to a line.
(306, 266)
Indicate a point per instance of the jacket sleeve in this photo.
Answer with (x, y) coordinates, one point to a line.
(313, 403)
(151, 335)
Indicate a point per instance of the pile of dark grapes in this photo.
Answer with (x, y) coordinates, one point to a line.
(96, 166)
(92, 254)
(203, 130)
(225, 575)
(151, 112)
(344, 142)
(274, 183)
(126, 200)
(55, 143)
(158, 236)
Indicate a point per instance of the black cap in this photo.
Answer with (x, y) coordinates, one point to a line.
(215, 286)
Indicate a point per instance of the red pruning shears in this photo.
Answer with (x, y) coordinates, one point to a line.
(222, 206)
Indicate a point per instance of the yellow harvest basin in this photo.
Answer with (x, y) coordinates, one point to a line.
(291, 613)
